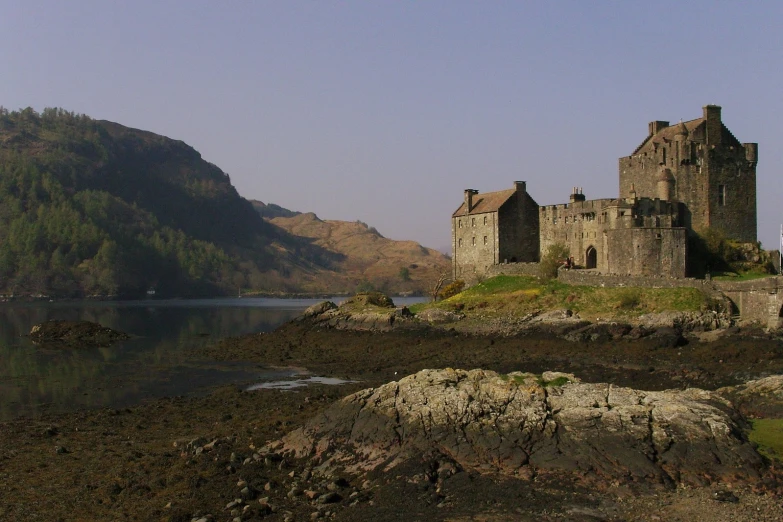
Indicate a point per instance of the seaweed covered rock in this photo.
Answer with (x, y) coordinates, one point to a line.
(75, 333)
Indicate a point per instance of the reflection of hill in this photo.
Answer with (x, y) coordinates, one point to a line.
(32, 376)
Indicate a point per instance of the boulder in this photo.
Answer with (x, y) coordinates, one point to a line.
(439, 316)
(520, 424)
(757, 398)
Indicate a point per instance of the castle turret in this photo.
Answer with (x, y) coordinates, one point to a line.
(665, 184)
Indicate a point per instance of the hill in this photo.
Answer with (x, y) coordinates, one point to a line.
(363, 258)
(91, 207)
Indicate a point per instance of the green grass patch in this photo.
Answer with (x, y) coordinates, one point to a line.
(560, 381)
(740, 276)
(768, 435)
(517, 296)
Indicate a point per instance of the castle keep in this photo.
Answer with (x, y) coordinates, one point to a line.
(687, 177)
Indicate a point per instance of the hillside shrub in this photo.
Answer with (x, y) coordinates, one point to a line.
(452, 289)
(553, 259)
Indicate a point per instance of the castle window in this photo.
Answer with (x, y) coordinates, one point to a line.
(474, 241)
(721, 195)
(460, 242)
(460, 223)
(485, 240)
(485, 220)
(473, 222)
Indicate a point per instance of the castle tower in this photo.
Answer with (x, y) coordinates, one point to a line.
(712, 173)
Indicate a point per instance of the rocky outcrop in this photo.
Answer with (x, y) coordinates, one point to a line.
(366, 311)
(520, 424)
(759, 398)
(75, 333)
(686, 321)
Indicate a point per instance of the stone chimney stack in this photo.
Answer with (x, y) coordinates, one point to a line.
(520, 186)
(655, 126)
(576, 194)
(714, 124)
(469, 193)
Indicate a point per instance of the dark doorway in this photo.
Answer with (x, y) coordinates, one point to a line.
(591, 257)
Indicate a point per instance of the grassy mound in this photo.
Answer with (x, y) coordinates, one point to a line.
(522, 295)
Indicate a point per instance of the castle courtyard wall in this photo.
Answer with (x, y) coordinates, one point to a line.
(647, 251)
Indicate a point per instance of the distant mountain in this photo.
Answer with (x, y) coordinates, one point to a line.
(364, 257)
(91, 207)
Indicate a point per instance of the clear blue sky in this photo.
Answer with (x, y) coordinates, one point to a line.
(386, 111)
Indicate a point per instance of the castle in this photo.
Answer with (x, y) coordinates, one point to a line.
(682, 178)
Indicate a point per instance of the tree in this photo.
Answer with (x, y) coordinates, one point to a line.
(438, 283)
(405, 274)
(554, 257)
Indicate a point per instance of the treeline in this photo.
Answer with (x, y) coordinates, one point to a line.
(90, 207)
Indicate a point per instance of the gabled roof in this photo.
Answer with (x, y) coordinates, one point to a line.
(486, 202)
(668, 134)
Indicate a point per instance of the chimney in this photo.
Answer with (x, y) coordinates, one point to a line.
(656, 126)
(469, 193)
(714, 125)
(520, 186)
(576, 194)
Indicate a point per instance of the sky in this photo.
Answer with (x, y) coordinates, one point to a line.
(386, 111)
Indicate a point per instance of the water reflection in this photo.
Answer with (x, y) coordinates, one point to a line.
(158, 361)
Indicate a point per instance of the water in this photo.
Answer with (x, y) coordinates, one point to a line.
(161, 360)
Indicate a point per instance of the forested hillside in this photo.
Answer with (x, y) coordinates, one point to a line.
(92, 207)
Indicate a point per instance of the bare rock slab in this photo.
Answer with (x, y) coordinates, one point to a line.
(515, 424)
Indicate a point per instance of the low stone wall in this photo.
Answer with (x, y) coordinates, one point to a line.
(516, 269)
(594, 278)
(756, 300)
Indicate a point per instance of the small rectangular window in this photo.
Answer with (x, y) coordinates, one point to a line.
(473, 222)
(474, 241)
(460, 223)
(485, 220)
(485, 239)
(721, 195)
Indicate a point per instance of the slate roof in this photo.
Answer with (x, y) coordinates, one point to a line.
(668, 134)
(486, 202)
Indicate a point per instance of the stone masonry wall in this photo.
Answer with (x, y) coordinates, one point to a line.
(519, 233)
(475, 244)
(647, 251)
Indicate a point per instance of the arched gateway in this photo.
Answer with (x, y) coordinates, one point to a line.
(591, 257)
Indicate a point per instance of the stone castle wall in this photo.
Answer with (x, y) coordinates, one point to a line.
(475, 244)
(647, 251)
(519, 235)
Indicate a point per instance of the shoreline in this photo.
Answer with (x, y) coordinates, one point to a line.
(144, 462)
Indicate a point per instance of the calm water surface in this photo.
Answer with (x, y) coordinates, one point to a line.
(159, 361)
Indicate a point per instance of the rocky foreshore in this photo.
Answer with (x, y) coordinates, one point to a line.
(627, 429)
(376, 312)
